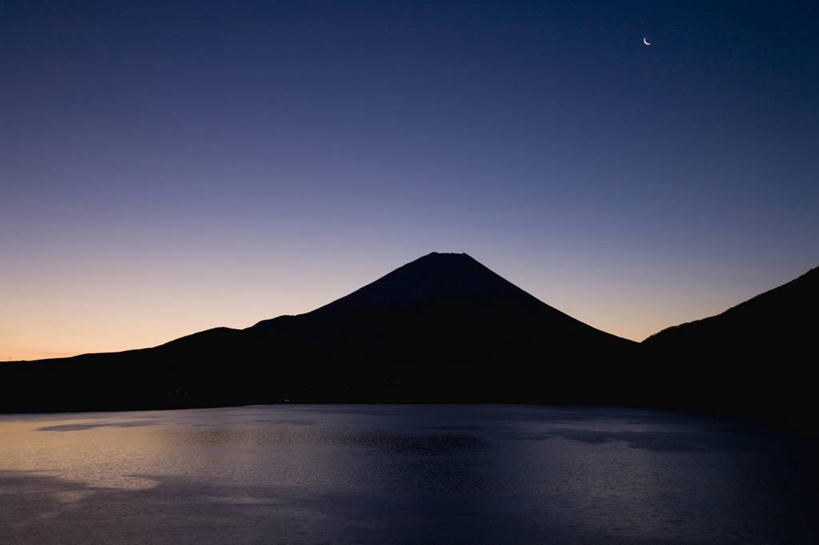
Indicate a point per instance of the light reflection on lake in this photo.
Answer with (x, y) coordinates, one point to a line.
(402, 474)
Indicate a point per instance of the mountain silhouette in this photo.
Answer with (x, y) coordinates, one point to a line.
(442, 328)
(778, 320)
(753, 359)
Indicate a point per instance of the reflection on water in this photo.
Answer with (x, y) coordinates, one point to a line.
(402, 474)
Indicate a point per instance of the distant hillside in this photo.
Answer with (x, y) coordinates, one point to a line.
(441, 328)
(755, 358)
(780, 319)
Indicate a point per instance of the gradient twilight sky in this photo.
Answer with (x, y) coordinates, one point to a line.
(167, 167)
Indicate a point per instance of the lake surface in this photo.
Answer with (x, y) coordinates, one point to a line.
(402, 474)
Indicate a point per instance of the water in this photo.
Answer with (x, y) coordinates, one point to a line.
(402, 474)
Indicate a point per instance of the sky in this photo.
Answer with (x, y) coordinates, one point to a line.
(167, 167)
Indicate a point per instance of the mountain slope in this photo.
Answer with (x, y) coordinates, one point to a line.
(441, 328)
(777, 320)
(754, 359)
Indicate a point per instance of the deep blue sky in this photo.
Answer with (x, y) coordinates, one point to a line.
(171, 166)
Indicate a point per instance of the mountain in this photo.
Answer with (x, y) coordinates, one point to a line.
(776, 321)
(753, 359)
(442, 328)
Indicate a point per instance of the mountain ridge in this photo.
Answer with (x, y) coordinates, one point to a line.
(773, 299)
(441, 328)
(445, 328)
(751, 359)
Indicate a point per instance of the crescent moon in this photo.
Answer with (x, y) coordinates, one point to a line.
(645, 41)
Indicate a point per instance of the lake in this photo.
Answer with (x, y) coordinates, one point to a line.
(387, 474)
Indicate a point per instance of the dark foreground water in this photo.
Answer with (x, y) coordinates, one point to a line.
(402, 474)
